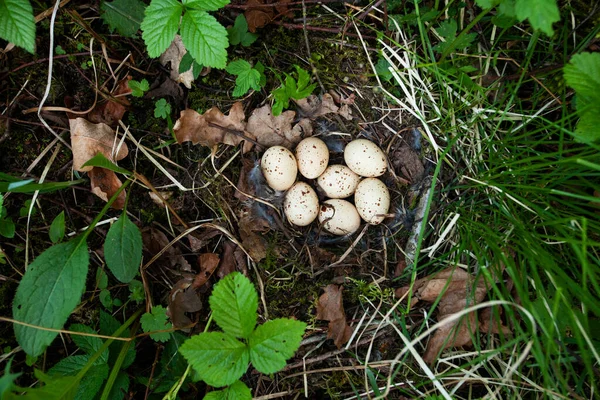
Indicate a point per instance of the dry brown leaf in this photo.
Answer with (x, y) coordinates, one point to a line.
(172, 56)
(208, 262)
(199, 240)
(154, 241)
(313, 107)
(111, 111)
(87, 139)
(330, 308)
(253, 242)
(183, 298)
(105, 184)
(201, 129)
(277, 131)
(407, 162)
(233, 259)
(257, 17)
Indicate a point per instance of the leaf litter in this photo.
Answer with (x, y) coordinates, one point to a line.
(331, 308)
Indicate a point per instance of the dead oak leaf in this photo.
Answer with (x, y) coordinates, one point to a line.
(255, 243)
(213, 127)
(112, 110)
(183, 299)
(173, 56)
(105, 184)
(314, 107)
(208, 262)
(330, 308)
(87, 139)
(270, 130)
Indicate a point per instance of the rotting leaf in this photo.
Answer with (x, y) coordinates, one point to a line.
(208, 262)
(257, 17)
(197, 241)
(213, 127)
(87, 139)
(253, 242)
(456, 290)
(314, 107)
(232, 259)
(105, 184)
(330, 308)
(277, 131)
(111, 111)
(183, 298)
(154, 241)
(173, 56)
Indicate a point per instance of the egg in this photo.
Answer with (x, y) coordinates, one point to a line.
(338, 181)
(372, 199)
(339, 217)
(279, 167)
(365, 158)
(301, 204)
(312, 155)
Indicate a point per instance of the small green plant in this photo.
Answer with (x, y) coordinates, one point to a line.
(292, 89)
(138, 88)
(156, 321)
(17, 24)
(57, 228)
(541, 14)
(238, 33)
(124, 16)
(203, 36)
(248, 77)
(162, 109)
(7, 226)
(221, 358)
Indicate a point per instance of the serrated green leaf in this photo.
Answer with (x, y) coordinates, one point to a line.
(272, 343)
(205, 38)
(162, 109)
(123, 249)
(236, 391)
(582, 75)
(541, 14)
(48, 292)
(108, 325)
(120, 387)
(205, 5)
(247, 77)
(138, 88)
(160, 25)
(124, 16)
(55, 388)
(303, 78)
(90, 383)
(17, 24)
(507, 8)
(238, 33)
(89, 344)
(218, 358)
(57, 228)
(234, 303)
(238, 67)
(7, 381)
(186, 63)
(156, 321)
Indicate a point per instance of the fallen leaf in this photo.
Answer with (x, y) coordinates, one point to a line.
(105, 184)
(111, 111)
(213, 127)
(87, 139)
(208, 262)
(314, 107)
(277, 131)
(282, 7)
(255, 244)
(330, 308)
(173, 55)
(407, 162)
(233, 259)
(160, 198)
(168, 88)
(154, 241)
(199, 240)
(183, 298)
(257, 17)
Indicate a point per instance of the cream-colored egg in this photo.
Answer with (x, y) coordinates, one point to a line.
(372, 200)
(301, 204)
(338, 181)
(339, 217)
(312, 155)
(365, 158)
(279, 167)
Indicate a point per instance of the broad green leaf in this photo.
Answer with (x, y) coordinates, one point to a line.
(138, 88)
(106, 299)
(540, 13)
(238, 67)
(160, 25)
(485, 4)
(89, 344)
(100, 160)
(272, 343)
(156, 321)
(55, 388)
(125, 16)
(48, 292)
(57, 228)
(234, 303)
(205, 5)
(303, 78)
(162, 109)
(17, 24)
(120, 387)
(123, 249)
(108, 325)
(101, 279)
(186, 63)
(7, 228)
(90, 383)
(236, 391)
(7, 381)
(247, 77)
(218, 358)
(238, 33)
(205, 38)
(448, 30)
(582, 74)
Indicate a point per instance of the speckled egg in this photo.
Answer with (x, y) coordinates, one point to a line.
(312, 155)
(365, 158)
(301, 204)
(372, 200)
(279, 167)
(338, 181)
(339, 217)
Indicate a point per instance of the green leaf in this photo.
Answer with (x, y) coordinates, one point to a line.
(106, 299)
(124, 16)
(236, 391)
(108, 325)
(486, 4)
(582, 75)
(238, 33)
(101, 279)
(138, 88)
(59, 50)
(7, 228)
(162, 109)
(91, 382)
(448, 30)
(100, 160)
(120, 387)
(272, 343)
(48, 292)
(7, 381)
(205, 38)
(234, 303)
(186, 63)
(55, 388)
(205, 5)
(136, 291)
(218, 358)
(24, 211)
(123, 249)
(17, 24)
(247, 77)
(156, 321)
(540, 13)
(26, 186)
(89, 344)
(160, 25)
(57, 228)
